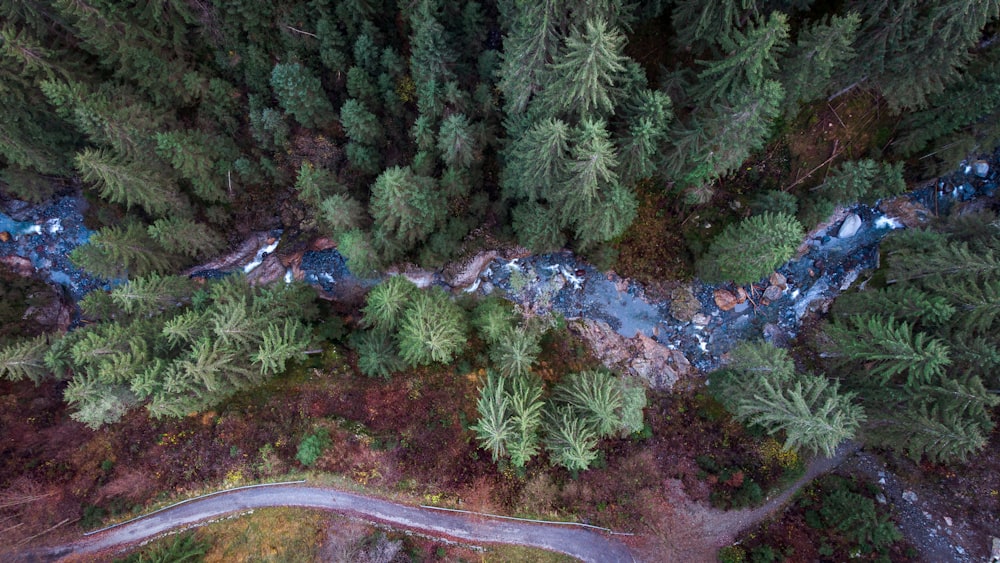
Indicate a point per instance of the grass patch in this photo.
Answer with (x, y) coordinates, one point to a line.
(284, 535)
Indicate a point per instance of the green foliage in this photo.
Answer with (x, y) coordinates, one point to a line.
(494, 427)
(25, 359)
(456, 141)
(358, 250)
(378, 355)
(200, 158)
(583, 78)
(182, 548)
(596, 398)
(150, 295)
(312, 447)
(406, 207)
(749, 250)
(889, 348)
(300, 92)
(854, 517)
(130, 182)
(905, 303)
(775, 201)
(570, 441)
(751, 60)
(178, 235)
(360, 124)
(116, 253)
(526, 408)
(811, 413)
(433, 329)
(819, 50)
(282, 343)
(863, 180)
(514, 352)
(387, 302)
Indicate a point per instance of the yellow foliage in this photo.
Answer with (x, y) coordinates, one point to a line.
(772, 452)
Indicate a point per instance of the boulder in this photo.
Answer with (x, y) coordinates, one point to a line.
(4, 236)
(850, 226)
(683, 304)
(995, 550)
(640, 356)
(910, 213)
(981, 168)
(778, 280)
(18, 264)
(725, 300)
(464, 275)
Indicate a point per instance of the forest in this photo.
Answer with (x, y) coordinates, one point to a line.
(665, 140)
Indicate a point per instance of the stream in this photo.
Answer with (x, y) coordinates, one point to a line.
(701, 321)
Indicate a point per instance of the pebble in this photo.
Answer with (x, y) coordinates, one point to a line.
(909, 496)
(772, 293)
(880, 498)
(947, 520)
(981, 168)
(4, 236)
(700, 319)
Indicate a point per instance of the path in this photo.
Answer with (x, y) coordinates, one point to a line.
(585, 545)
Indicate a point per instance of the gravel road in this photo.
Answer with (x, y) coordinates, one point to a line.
(583, 544)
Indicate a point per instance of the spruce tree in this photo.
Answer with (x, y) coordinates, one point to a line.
(527, 409)
(360, 124)
(889, 348)
(515, 351)
(746, 251)
(433, 329)
(178, 235)
(406, 207)
(131, 183)
(811, 413)
(571, 442)
(494, 427)
(456, 141)
(300, 92)
(820, 49)
(378, 355)
(387, 302)
(200, 158)
(751, 61)
(122, 252)
(596, 398)
(25, 359)
(584, 73)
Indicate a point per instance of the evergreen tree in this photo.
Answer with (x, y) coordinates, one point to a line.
(537, 227)
(526, 408)
(515, 351)
(360, 124)
(596, 398)
(406, 207)
(117, 252)
(300, 92)
(456, 141)
(494, 427)
(747, 251)
(377, 353)
(529, 47)
(751, 61)
(890, 348)
(812, 413)
(820, 49)
(696, 21)
(178, 235)
(648, 117)
(97, 403)
(432, 329)
(537, 161)
(585, 71)
(905, 303)
(25, 359)
(200, 158)
(280, 343)
(569, 440)
(590, 172)
(358, 249)
(340, 213)
(150, 295)
(387, 302)
(493, 318)
(940, 436)
(131, 183)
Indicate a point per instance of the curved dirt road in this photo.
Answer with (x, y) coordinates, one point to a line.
(583, 544)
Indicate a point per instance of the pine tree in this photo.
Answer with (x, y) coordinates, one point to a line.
(377, 353)
(905, 303)
(812, 413)
(530, 46)
(280, 343)
(150, 295)
(178, 235)
(820, 49)
(406, 207)
(890, 348)
(596, 398)
(300, 92)
(116, 253)
(648, 117)
(526, 408)
(360, 124)
(537, 161)
(340, 213)
(200, 158)
(585, 71)
(751, 61)
(695, 21)
(456, 141)
(515, 351)
(432, 329)
(131, 183)
(387, 302)
(590, 172)
(747, 251)
(569, 440)
(494, 427)
(25, 359)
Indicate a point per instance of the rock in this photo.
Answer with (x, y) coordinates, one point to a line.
(981, 168)
(469, 272)
(909, 496)
(269, 271)
(640, 356)
(947, 520)
(4, 236)
(18, 264)
(850, 226)
(995, 550)
(700, 319)
(322, 243)
(778, 280)
(909, 213)
(880, 498)
(725, 300)
(54, 314)
(960, 550)
(773, 293)
(776, 335)
(683, 304)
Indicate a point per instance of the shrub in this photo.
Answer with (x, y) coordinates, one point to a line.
(312, 447)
